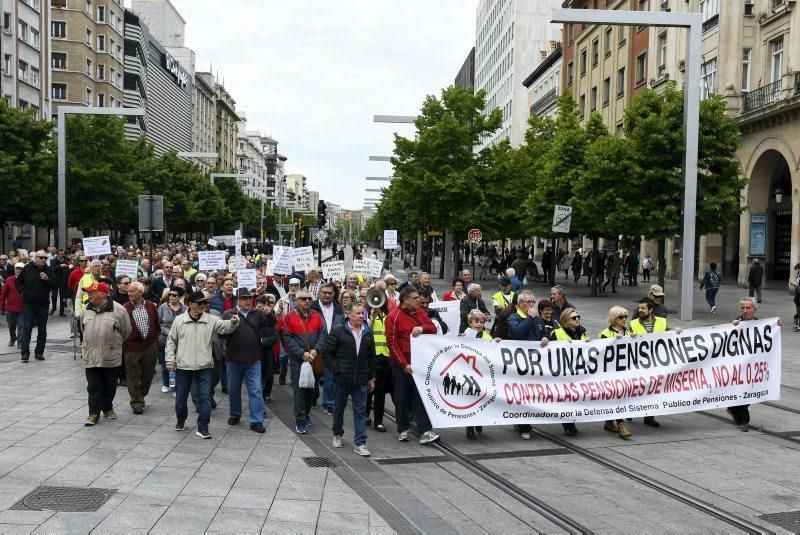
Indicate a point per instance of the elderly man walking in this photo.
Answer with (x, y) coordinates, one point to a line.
(34, 284)
(106, 326)
(189, 354)
(141, 349)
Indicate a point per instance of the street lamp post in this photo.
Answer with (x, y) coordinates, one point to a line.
(693, 22)
(63, 111)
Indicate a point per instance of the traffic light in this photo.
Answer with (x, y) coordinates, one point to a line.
(300, 222)
(321, 209)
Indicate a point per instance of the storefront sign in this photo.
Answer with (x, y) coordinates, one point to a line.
(175, 69)
(758, 235)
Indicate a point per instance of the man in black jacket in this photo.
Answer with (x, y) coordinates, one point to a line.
(349, 352)
(243, 360)
(333, 314)
(470, 302)
(60, 267)
(34, 284)
(755, 277)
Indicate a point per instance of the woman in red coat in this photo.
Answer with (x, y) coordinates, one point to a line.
(11, 304)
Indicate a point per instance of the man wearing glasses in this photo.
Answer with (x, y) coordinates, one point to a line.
(6, 269)
(334, 315)
(60, 266)
(34, 284)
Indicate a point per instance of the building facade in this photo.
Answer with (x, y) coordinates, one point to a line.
(251, 163)
(544, 83)
(226, 129)
(746, 59)
(466, 75)
(135, 79)
(87, 53)
(204, 118)
(509, 36)
(25, 53)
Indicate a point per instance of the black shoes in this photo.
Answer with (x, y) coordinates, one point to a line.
(233, 421)
(224, 389)
(25, 357)
(471, 433)
(39, 356)
(203, 433)
(281, 379)
(570, 430)
(651, 421)
(268, 400)
(257, 427)
(179, 426)
(138, 410)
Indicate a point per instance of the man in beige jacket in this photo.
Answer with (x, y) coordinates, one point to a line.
(189, 354)
(105, 325)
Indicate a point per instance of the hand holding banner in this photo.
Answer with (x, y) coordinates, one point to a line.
(303, 259)
(333, 270)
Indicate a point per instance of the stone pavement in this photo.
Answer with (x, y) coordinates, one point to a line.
(164, 481)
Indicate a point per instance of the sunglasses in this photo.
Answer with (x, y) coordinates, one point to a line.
(574, 317)
(42, 257)
(625, 316)
(304, 299)
(392, 284)
(173, 295)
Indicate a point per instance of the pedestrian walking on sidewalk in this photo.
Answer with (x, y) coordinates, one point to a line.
(12, 306)
(34, 284)
(755, 278)
(141, 349)
(106, 326)
(711, 282)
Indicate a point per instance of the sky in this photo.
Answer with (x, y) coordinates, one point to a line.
(312, 73)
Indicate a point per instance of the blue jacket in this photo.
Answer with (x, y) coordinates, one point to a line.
(218, 302)
(527, 328)
(516, 284)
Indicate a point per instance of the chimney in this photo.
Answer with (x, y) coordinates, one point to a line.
(542, 55)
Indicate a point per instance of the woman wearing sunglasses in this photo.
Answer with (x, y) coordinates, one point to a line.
(167, 312)
(617, 328)
(572, 330)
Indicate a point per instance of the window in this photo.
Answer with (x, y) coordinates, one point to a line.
(777, 59)
(23, 31)
(88, 97)
(710, 11)
(582, 106)
(593, 101)
(23, 70)
(101, 13)
(101, 72)
(101, 43)
(101, 100)
(609, 38)
(112, 74)
(58, 29)
(89, 67)
(583, 62)
(6, 21)
(622, 35)
(644, 5)
(606, 91)
(708, 78)
(35, 76)
(7, 63)
(570, 73)
(88, 7)
(641, 68)
(746, 55)
(662, 52)
(571, 32)
(35, 38)
(595, 52)
(59, 60)
(749, 7)
(89, 37)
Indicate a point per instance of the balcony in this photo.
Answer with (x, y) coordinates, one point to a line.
(763, 96)
(544, 102)
(710, 23)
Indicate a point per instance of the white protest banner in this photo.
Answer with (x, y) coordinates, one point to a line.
(362, 266)
(333, 270)
(283, 257)
(390, 239)
(303, 258)
(129, 268)
(237, 249)
(246, 278)
(375, 268)
(269, 267)
(96, 246)
(211, 260)
(225, 240)
(469, 381)
(212, 242)
(450, 311)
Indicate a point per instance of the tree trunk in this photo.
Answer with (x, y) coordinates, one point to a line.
(595, 264)
(662, 261)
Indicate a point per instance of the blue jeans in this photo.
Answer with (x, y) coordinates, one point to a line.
(250, 374)
(359, 395)
(328, 390)
(183, 382)
(38, 314)
(711, 296)
(162, 361)
(405, 395)
(303, 397)
(283, 361)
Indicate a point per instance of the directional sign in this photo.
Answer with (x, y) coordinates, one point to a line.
(475, 235)
(320, 235)
(562, 218)
(285, 227)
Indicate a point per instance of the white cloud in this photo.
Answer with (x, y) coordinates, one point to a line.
(312, 73)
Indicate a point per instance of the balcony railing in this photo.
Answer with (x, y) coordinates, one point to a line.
(546, 100)
(763, 96)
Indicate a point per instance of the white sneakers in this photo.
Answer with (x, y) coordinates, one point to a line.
(525, 436)
(362, 450)
(714, 309)
(337, 441)
(427, 437)
(403, 436)
(164, 389)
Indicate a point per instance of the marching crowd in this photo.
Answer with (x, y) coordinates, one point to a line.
(334, 341)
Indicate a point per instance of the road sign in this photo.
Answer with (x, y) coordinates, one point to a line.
(151, 213)
(475, 235)
(320, 235)
(285, 227)
(562, 218)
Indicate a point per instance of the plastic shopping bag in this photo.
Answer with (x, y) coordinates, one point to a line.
(306, 376)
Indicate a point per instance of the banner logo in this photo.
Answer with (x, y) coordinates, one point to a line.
(460, 380)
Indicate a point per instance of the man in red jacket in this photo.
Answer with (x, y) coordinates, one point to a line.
(402, 323)
(142, 345)
(11, 305)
